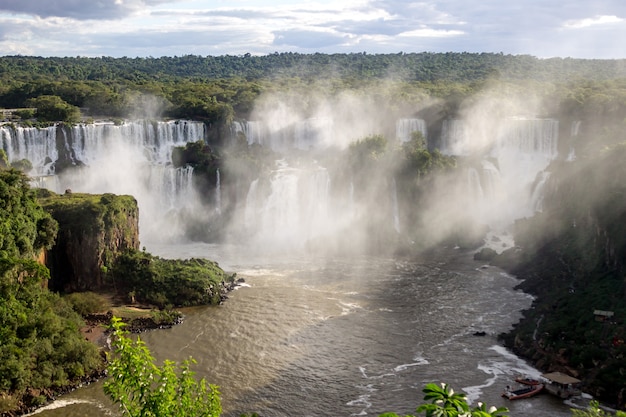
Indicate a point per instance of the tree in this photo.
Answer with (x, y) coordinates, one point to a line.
(54, 109)
(145, 389)
(444, 402)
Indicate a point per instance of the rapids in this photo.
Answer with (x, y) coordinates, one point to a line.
(309, 336)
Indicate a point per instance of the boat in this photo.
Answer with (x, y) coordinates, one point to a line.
(524, 392)
(524, 380)
(562, 385)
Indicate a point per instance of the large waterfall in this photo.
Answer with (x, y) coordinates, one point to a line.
(514, 153)
(301, 200)
(290, 208)
(132, 158)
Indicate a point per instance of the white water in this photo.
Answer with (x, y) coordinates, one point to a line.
(406, 127)
(133, 158)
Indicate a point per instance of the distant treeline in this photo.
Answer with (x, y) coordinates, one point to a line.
(218, 89)
(425, 66)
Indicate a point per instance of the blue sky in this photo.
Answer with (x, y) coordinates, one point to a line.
(141, 28)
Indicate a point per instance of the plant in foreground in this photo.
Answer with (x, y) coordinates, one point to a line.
(444, 402)
(142, 388)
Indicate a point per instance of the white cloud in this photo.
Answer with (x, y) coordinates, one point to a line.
(217, 27)
(431, 33)
(592, 21)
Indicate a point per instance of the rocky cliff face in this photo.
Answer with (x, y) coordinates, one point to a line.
(572, 257)
(93, 231)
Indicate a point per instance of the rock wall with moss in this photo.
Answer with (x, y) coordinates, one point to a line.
(93, 231)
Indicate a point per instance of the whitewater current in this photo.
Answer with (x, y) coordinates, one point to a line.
(337, 336)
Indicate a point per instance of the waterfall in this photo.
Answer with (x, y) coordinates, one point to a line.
(218, 192)
(252, 131)
(574, 131)
(291, 209)
(474, 185)
(536, 199)
(454, 138)
(38, 145)
(133, 158)
(313, 133)
(405, 128)
(305, 134)
(394, 205)
(514, 152)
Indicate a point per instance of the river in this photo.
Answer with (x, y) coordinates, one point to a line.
(343, 336)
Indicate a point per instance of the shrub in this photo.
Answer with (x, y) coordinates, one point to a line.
(88, 302)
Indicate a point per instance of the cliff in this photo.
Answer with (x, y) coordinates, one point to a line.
(93, 231)
(572, 258)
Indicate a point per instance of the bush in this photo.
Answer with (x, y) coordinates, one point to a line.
(88, 302)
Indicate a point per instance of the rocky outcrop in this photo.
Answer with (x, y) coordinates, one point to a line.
(93, 230)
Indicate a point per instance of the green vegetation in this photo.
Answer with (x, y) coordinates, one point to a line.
(42, 349)
(25, 228)
(217, 89)
(87, 302)
(54, 109)
(167, 282)
(142, 388)
(594, 410)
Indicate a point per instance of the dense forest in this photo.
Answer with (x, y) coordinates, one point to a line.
(219, 89)
(580, 259)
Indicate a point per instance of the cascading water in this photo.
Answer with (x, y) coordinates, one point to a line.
(537, 195)
(516, 152)
(306, 134)
(218, 192)
(133, 158)
(313, 133)
(524, 148)
(251, 130)
(454, 138)
(36, 145)
(290, 208)
(406, 127)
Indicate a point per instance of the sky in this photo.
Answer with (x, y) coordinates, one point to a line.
(594, 29)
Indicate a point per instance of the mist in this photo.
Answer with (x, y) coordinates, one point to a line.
(313, 199)
(327, 170)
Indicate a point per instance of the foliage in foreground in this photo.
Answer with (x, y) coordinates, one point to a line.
(142, 388)
(442, 401)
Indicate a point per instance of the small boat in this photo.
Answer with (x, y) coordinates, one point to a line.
(524, 380)
(525, 392)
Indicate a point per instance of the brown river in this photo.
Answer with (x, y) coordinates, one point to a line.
(352, 336)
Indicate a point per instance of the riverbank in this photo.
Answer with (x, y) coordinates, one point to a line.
(559, 332)
(139, 318)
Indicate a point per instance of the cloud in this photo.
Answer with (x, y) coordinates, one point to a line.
(77, 9)
(431, 33)
(592, 21)
(309, 39)
(543, 28)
